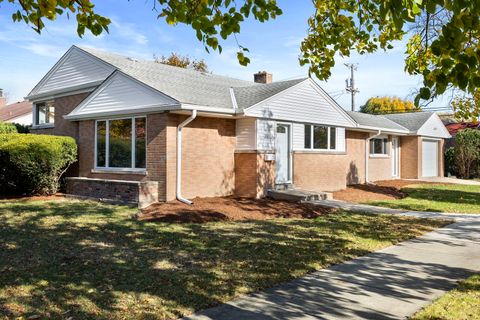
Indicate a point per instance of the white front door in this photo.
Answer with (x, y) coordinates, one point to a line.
(282, 155)
(395, 158)
(429, 158)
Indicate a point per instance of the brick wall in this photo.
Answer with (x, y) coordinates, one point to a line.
(329, 172)
(63, 127)
(208, 157)
(254, 175)
(140, 193)
(410, 160)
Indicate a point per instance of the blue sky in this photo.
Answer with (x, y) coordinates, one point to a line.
(135, 31)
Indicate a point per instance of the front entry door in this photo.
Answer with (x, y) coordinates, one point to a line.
(282, 157)
(395, 158)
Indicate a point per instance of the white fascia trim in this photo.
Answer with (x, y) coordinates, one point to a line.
(188, 106)
(334, 103)
(385, 130)
(234, 100)
(275, 96)
(140, 110)
(88, 87)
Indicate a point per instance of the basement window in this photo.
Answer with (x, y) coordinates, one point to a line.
(320, 137)
(120, 143)
(378, 146)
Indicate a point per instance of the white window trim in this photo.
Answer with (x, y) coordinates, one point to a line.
(312, 136)
(379, 155)
(35, 124)
(107, 167)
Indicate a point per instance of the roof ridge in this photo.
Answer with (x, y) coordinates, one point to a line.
(97, 52)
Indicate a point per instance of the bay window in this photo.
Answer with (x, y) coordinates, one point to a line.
(320, 137)
(44, 113)
(378, 146)
(120, 143)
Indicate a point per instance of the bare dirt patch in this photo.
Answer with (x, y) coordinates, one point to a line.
(228, 209)
(381, 190)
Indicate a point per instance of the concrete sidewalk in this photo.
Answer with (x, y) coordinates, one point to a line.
(392, 283)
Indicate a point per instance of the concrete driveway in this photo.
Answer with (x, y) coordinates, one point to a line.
(449, 180)
(392, 283)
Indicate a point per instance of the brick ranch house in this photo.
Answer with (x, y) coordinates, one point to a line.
(150, 132)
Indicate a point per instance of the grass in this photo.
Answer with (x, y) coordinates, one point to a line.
(442, 198)
(459, 304)
(85, 260)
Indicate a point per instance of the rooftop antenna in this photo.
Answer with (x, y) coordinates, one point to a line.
(350, 83)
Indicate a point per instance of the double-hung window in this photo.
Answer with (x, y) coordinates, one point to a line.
(320, 137)
(44, 113)
(378, 146)
(121, 143)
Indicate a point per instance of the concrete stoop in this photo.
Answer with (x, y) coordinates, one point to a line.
(298, 195)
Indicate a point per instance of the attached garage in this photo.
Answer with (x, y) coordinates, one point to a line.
(430, 154)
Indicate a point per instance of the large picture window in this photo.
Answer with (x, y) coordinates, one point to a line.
(44, 113)
(378, 146)
(120, 143)
(320, 137)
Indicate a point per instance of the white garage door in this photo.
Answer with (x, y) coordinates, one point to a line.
(429, 158)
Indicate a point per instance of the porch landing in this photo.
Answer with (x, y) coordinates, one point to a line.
(298, 195)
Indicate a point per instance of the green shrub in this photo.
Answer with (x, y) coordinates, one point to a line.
(450, 167)
(6, 127)
(467, 153)
(33, 164)
(21, 128)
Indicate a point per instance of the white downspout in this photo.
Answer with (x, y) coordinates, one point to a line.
(367, 153)
(179, 157)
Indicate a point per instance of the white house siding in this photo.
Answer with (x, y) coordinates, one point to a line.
(25, 120)
(265, 134)
(77, 68)
(122, 94)
(302, 103)
(434, 127)
(245, 132)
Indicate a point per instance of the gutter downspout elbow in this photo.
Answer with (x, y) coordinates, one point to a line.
(367, 153)
(179, 157)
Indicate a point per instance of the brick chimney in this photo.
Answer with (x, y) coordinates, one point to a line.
(3, 99)
(262, 77)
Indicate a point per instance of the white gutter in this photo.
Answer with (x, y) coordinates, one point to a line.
(367, 152)
(179, 157)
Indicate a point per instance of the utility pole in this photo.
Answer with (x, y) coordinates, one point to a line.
(350, 83)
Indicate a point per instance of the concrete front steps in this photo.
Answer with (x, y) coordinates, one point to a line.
(289, 192)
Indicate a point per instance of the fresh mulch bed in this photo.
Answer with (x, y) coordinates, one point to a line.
(228, 209)
(381, 190)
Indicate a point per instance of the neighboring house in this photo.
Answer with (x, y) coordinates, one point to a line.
(151, 132)
(19, 112)
(455, 127)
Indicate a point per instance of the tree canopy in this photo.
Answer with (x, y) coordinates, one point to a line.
(443, 35)
(178, 60)
(385, 105)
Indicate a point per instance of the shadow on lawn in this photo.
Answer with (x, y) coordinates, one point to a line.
(90, 261)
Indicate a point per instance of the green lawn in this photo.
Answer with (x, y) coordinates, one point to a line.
(85, 260)
(461, 303)
(443, 198)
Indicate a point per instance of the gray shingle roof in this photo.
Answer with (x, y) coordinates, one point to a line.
(190, 86)
(376, 121)
(248, 96)
(412, 120)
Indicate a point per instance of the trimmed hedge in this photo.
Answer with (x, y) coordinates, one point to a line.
(33, 164)
(6, 127)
